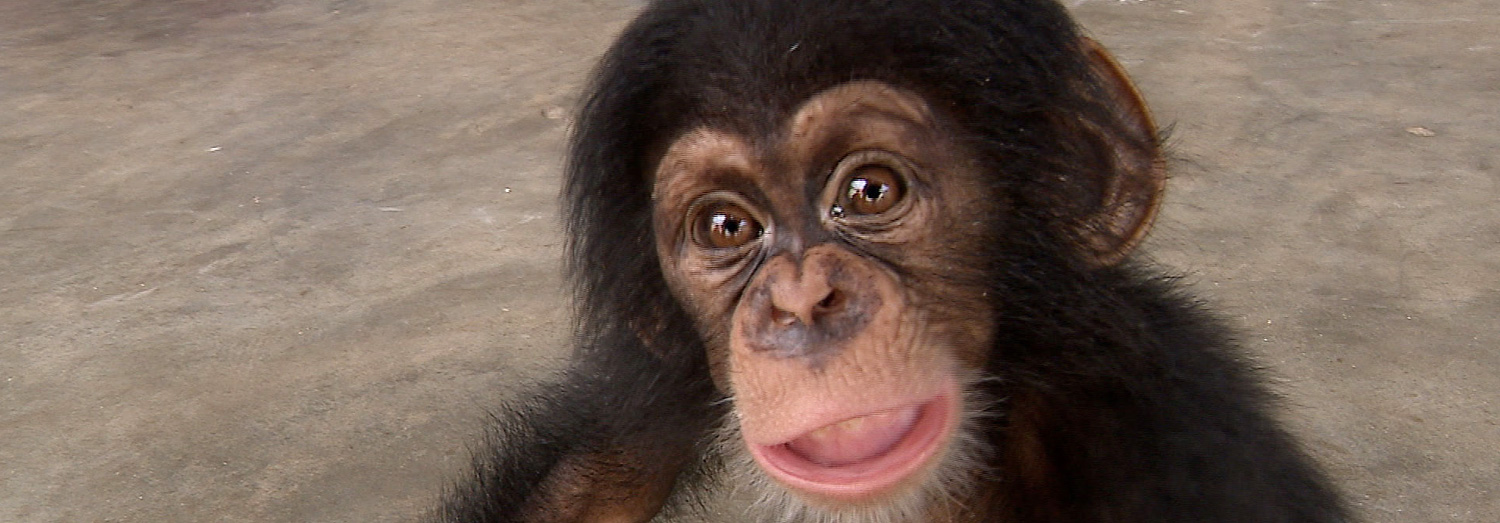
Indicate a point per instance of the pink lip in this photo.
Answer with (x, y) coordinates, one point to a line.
(863, 455)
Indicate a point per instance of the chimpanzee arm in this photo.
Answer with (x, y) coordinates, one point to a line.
(601, 444)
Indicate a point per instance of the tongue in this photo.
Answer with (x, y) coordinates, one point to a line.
(856, 439)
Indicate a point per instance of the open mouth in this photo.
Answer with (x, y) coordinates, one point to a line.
(864, 455)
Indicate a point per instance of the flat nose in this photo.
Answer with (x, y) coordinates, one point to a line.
(806, 298)
(809, 305)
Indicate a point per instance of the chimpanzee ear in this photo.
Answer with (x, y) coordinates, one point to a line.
(1132, 192)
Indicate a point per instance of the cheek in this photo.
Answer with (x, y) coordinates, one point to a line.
(698, 290)
(964, 323)
(710, 312)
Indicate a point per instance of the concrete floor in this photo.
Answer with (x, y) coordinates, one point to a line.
(271, 261)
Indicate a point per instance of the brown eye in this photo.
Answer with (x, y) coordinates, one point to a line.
(725, 226)
(872, 189)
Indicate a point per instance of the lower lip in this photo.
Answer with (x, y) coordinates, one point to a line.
(854, 481)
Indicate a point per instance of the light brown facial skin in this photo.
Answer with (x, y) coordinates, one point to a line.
(826, 315)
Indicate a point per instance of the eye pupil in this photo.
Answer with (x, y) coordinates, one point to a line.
(726, 226)
(872, 190)
(868, 190)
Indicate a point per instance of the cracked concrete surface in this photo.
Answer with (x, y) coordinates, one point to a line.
(271, 261)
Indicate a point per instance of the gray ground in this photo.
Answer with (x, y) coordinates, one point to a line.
(270, 261)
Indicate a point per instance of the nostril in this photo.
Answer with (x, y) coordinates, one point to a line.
(831, 303)
(808, 314)
(782, 317)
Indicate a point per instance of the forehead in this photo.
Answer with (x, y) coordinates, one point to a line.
(849, 116)
(858, 99)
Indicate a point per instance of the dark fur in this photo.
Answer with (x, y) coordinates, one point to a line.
(1135, 407)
